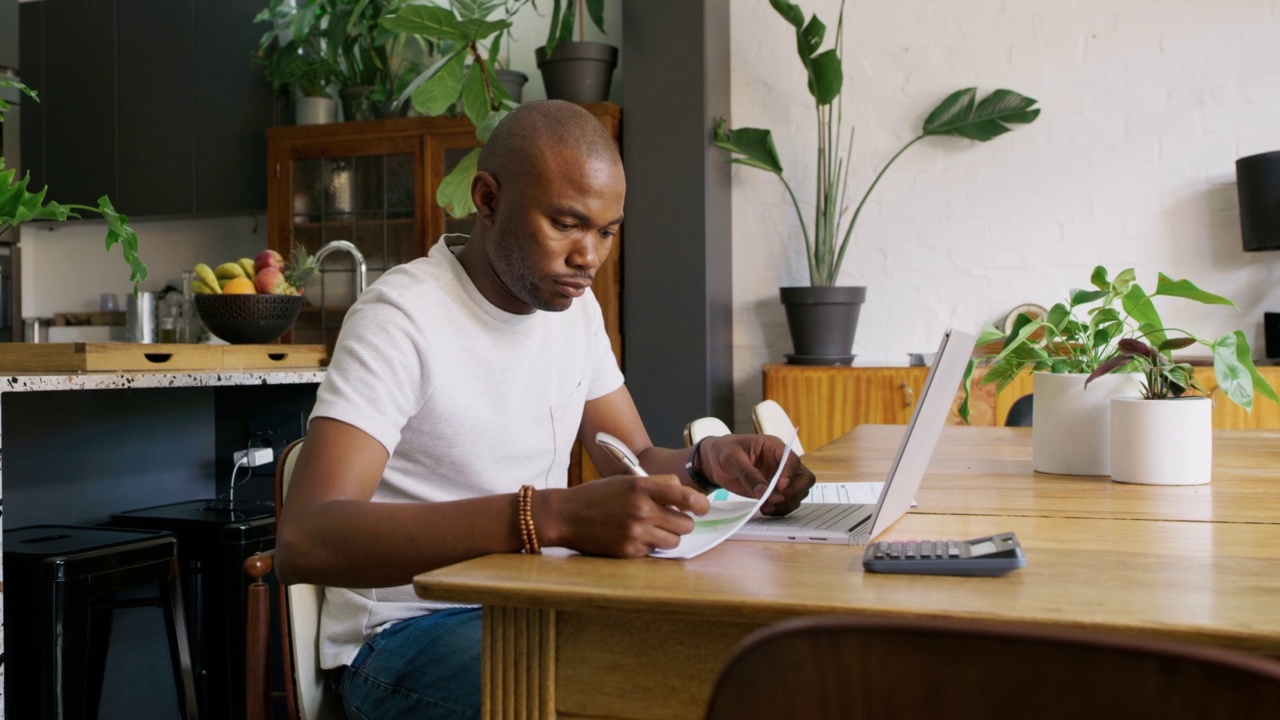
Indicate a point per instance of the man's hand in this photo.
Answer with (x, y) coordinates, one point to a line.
(623, 516)
(743, 464)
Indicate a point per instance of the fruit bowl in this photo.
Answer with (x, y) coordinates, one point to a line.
(240, 319)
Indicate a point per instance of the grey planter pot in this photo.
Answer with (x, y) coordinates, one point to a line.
(823, 322)
(513, 82)
(579, 72)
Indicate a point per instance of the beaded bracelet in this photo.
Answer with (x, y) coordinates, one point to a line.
(524, 513)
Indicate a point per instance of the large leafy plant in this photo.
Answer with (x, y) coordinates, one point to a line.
(1116, 327)
(961, 114)
(469, 43)
(18, 205)
(313, 44)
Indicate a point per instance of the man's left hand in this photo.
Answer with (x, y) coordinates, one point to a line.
(743, 464)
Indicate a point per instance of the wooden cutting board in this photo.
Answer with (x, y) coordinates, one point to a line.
(132, 357)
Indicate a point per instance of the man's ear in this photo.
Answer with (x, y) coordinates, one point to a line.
(484, 193)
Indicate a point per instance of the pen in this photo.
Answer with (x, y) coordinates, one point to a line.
(620, 451)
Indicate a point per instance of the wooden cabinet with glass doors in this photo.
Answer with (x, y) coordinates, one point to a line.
(373, 183)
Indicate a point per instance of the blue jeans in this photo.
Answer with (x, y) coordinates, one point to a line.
(426, 668)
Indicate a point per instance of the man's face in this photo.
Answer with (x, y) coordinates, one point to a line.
(555, 227)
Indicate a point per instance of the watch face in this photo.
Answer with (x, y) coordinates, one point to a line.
(1032, 310)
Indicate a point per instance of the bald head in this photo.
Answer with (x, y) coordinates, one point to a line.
(535, 130)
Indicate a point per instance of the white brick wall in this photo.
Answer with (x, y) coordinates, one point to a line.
(1146, 106)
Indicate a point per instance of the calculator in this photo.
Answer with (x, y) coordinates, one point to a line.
(989, 556)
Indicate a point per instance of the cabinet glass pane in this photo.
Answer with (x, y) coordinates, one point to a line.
(365, 199)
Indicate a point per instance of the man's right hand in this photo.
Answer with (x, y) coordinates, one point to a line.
(622, 516)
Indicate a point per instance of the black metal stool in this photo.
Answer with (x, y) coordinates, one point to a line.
(60, 587)
(214, 538)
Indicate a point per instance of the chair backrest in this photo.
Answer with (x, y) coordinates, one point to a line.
(771, 419)
(844, 668)
(1021, 412)
(706, 427)
(309, 696)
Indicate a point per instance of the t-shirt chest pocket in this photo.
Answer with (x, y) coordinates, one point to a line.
(566, 417)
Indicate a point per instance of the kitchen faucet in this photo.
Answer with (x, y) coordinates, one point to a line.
(356, 255)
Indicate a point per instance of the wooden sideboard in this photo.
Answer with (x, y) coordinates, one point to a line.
(826, 402)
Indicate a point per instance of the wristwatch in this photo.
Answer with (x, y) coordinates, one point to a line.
(700, 481)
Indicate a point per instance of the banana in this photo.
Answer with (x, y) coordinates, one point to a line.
(246, 264)
(229, 271)
(205, 274)
(200, 288)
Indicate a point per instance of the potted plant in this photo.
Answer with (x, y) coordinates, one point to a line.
(577, 71)
(18, 205)
(464, 73)
(823, 316)
(1096, 338)
(1165, 436)
(292, 56)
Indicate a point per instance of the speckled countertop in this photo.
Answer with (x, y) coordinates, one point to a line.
(155, 379)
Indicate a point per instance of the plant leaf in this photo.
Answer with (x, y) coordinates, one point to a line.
(595, 10)
(1140, 308)
(1083, 297)
(789, 12)
(475, 103)
(429, 73)
(440, 92)
(1230, 366)
(753, 144)
(485, 129)
(119, 232)
(825, 77)
(476, 30)
(990, 118)
(1186, 289)
(432, 21)
(810, 36)
(1107, 367)
(454, 193)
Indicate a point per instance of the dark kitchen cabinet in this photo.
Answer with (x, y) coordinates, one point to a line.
(153, 102)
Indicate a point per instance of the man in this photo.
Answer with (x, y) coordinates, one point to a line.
(457, 380)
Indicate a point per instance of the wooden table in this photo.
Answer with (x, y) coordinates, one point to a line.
(578, 637)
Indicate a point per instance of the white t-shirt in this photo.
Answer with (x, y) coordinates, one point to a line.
(468, 399)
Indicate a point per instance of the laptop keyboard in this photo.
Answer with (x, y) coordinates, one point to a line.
(813, 516)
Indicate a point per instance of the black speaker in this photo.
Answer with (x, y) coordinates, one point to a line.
(1271, 328)
(1258, 187)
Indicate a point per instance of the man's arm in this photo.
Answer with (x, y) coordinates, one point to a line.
(332, 534)
(740, 463)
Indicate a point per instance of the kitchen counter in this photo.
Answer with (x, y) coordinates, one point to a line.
(123, 436)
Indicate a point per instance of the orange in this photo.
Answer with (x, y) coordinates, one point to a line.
(239, 286)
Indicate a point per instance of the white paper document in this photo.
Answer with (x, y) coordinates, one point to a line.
(857, 493)
(722, 520)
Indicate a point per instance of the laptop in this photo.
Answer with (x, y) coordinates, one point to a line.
(859, 524)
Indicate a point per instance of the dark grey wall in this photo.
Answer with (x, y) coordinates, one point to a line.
(677, 292)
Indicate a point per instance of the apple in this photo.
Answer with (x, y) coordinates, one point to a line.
(271, 281)
(268, 259)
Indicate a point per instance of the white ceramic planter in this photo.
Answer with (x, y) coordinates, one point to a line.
(316, 111)
(1162, 442)
(1071, 423)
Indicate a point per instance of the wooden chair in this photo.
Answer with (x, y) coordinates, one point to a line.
(844, 668)
(307, 693)
(771, 419)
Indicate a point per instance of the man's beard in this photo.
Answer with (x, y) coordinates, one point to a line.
(519, 277)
